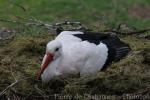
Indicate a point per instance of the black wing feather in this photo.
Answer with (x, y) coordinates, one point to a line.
(92, 37)
(117, 49)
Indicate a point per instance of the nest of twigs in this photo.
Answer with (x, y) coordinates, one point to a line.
(20, 59)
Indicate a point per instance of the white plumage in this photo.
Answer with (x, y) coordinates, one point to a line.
(69, 54)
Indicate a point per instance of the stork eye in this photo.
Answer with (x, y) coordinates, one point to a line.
(56, 49)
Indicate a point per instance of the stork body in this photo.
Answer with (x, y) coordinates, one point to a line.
(78, 52)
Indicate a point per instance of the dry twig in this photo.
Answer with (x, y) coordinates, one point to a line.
(55, 26)
(128, 33)
(11, 85)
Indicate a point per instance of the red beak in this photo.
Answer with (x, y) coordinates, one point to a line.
(46, 60)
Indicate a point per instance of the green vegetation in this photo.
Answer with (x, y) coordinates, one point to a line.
(21, 57)
(112, 12)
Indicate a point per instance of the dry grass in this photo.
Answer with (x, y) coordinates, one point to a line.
(21, 59)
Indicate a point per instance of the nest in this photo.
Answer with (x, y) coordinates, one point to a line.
(20, 59)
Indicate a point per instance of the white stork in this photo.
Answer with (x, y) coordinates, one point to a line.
(79, 52)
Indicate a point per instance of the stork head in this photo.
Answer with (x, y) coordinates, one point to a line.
(53, 50)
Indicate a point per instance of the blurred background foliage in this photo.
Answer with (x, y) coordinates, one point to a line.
(111, 12)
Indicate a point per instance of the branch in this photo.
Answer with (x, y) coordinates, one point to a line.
(146, 90)
(128, 33)
(75, 26)
(38, 23)
(12, 21)
(11, 85)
